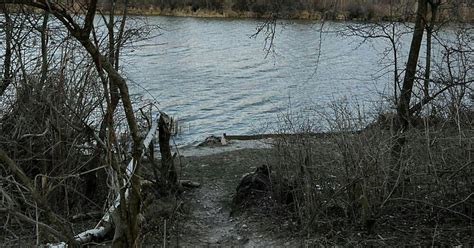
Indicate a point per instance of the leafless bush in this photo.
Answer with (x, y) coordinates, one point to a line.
(360, 11)
(347, 187)
(47, 128)
(60, 146)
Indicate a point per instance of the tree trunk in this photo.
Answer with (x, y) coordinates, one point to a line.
(44, 51)
(403, 107)
(131, 210)
(429, 34)
(8, 50)
(402, 121)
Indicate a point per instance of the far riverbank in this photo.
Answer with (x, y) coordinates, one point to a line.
(355, 12)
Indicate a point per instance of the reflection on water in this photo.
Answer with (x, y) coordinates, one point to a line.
(215, 78)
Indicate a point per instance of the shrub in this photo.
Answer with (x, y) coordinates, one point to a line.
(349, 187)
(360, 11)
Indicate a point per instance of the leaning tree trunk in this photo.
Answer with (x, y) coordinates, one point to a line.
(403, 108)
(402, 122)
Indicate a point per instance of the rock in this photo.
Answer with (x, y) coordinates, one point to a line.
(211, 141)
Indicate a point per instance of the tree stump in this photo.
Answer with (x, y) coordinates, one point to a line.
(169, 176)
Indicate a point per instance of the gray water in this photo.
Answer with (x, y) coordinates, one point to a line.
(214, 78)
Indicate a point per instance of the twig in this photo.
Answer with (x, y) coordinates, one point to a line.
(18, 172)
(34, 222)
(434, 235)
(35, 135)
(164, 235)
(460, 169)
(433, 205)
(457, 203)
(37, 225)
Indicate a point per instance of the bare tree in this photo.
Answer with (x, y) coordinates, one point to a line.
(392, 32)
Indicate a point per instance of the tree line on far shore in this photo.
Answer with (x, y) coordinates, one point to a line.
(308, 9)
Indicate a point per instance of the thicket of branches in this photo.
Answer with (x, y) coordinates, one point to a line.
(66, 123)
(404, 176)
(347, 188)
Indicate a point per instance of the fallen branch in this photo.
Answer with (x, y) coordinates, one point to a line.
(130, 169)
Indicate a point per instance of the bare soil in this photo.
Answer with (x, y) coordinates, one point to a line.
(206, 217)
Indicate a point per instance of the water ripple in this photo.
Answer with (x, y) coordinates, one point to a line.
(214, 79)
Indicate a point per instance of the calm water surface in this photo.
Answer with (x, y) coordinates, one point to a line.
(214, 78)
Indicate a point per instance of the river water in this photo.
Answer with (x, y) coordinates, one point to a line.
(214, 78)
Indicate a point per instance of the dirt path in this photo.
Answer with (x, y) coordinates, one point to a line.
(208, 221)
